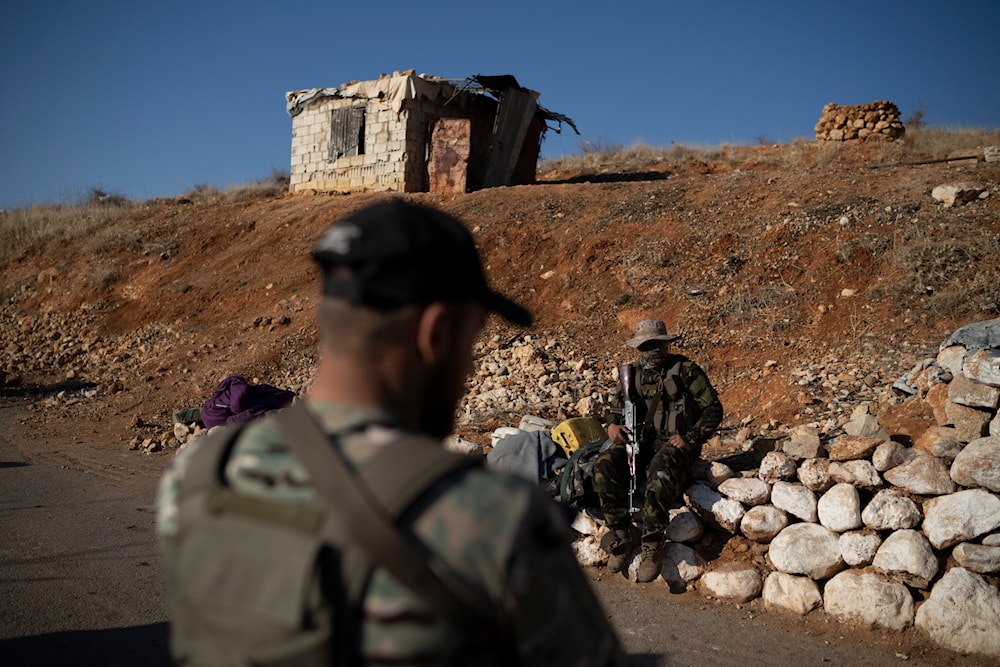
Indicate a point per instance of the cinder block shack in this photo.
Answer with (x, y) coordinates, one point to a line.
(417, 133)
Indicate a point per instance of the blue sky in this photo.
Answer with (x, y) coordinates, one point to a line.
(150, 99)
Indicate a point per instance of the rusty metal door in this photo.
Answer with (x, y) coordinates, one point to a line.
(447, 166)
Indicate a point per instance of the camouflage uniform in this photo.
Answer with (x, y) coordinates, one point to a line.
(512, 542)
(661, 467)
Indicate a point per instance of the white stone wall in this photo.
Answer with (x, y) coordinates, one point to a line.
(395, 151)
(382, 166)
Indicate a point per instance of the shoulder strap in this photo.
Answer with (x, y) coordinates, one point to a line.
(204, 466)
(371, 524)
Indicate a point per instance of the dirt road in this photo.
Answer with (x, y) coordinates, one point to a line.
(81, 582)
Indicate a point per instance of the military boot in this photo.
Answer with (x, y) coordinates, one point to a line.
(619, 545)
(651, 561)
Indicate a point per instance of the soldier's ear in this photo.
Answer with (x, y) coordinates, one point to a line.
(433, 332)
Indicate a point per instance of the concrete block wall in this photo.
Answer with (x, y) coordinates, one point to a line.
(380, 166)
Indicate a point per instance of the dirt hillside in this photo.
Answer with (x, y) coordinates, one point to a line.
(805, 279)
(792, 273)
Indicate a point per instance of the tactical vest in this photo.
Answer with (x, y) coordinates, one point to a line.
(669, 408)
(258, 582)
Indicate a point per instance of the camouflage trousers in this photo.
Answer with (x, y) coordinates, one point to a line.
(661, 480)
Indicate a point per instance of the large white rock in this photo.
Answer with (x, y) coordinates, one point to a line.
(858, 548)
(959, 517)
(951, 194)
(806, 548)
(681, 566)
(977, 557)
(535, 423)
(979, 464)
(776, 466)
(891, 510)
(684, 526)
(839, 509)
(887, 455)
(962, 613)
(739, 585)
(907, 555)
(585, 524)
(588, 551)
(713, 507)
(746, 490)
(951, 358)
(861, 474)
(848, 447)
(983, 367)
(866, 426)
(922, 474)
(965, 392)
(459, 445)
(763, 522)
(713, 472)
(719, 472)
(969, 423)
(803, 443)
(815, 474)
(795, 499)
(855, 595)
(791, 593)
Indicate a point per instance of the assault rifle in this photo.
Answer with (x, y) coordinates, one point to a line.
(630, 417)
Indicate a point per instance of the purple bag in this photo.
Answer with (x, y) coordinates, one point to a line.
(235, 400)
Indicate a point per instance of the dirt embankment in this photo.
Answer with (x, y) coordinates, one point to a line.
(803, 286)
(773, 270)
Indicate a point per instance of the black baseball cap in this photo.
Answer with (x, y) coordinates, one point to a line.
(396, 253)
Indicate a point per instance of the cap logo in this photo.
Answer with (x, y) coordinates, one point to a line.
(338, 239)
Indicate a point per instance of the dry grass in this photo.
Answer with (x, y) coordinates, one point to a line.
(93, 217)
(951, 269)
(919, 143)
(274, 185)
(605, 156)
(23, 229)
(932, 143)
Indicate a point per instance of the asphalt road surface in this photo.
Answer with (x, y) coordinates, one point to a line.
(80, 582)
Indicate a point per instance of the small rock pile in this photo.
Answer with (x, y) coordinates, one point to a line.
(861, 524)
(878, 120)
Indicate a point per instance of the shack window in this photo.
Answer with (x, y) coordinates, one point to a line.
(347, 132)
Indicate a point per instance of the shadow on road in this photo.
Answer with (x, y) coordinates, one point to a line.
(75, 385)
(145, 645)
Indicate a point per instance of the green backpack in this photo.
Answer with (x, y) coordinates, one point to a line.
(574, 485)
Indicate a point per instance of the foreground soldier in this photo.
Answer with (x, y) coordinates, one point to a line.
(407, 554)
(679, 411)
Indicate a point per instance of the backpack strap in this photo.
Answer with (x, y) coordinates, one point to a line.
(364, 512)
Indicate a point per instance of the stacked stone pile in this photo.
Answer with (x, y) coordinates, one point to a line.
(878, 120)
(861, 524)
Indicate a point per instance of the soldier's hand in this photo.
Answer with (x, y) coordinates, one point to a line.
(680, 443)
(618, 434)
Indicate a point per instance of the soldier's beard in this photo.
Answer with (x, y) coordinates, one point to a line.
(652, 358)
(442, 394)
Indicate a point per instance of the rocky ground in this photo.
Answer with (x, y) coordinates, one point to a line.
(806, 279)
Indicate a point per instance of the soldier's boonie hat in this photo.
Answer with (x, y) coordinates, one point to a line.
(647, 330)
(395, 253)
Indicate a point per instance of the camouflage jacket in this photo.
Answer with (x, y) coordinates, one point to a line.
(498, 532)
(695, 403)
